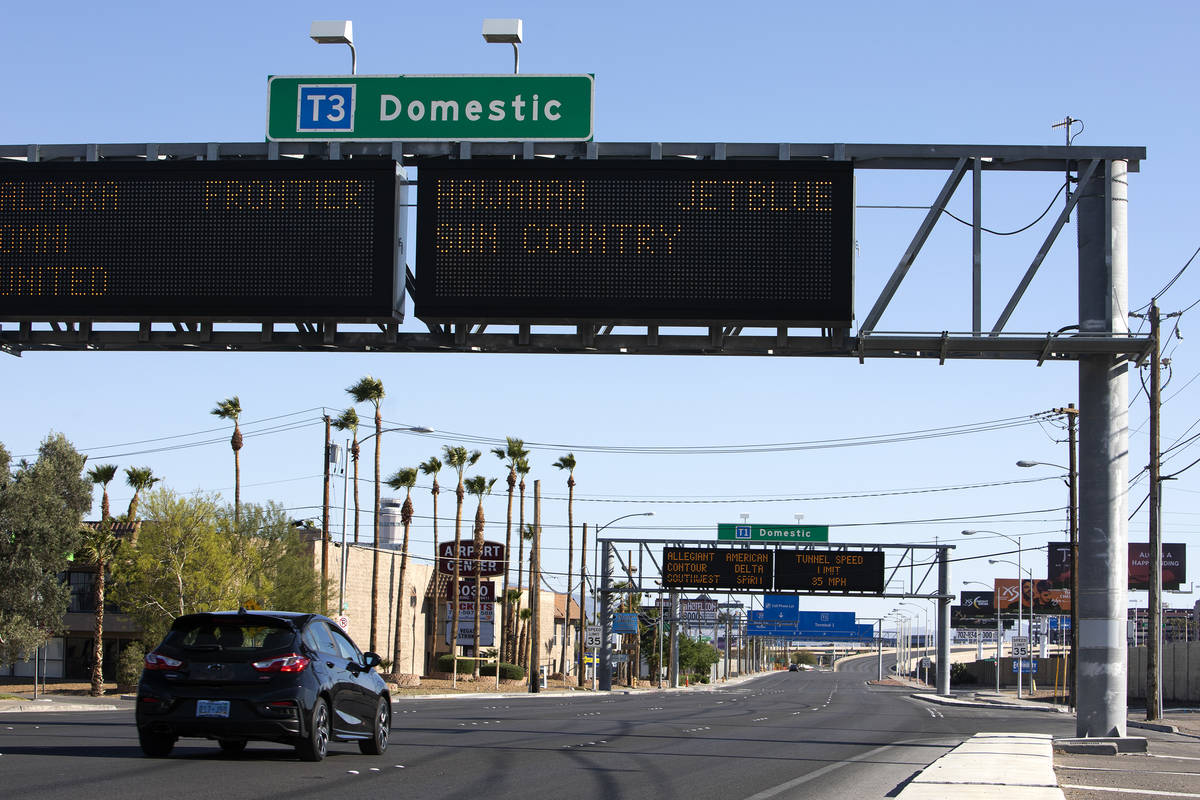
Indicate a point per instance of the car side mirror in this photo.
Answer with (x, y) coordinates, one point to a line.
(371, 660)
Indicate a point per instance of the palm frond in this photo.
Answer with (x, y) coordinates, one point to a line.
(229, 408)
(405, 478)
(346, 421)
(102, 473)
(566, 462)
(367, 390)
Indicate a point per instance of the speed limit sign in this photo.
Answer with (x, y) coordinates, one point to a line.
(592, 636)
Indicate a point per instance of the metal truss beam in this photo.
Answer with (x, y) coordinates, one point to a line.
(326, 336)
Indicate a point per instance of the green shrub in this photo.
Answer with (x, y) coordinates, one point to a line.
(465, 666)
(960, 674)
(129, 665)
(508, 672)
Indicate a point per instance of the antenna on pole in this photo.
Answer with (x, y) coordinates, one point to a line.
(1067, 124)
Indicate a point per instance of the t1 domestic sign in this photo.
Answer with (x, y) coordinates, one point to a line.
(746, 532)
(411, 108)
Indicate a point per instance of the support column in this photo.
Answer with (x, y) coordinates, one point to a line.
(1103, 458)
(606, 619)
(674, 640)
(943, 623)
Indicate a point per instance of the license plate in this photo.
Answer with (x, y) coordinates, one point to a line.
(212, 708)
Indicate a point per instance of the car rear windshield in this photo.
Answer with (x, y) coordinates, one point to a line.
(232, 638)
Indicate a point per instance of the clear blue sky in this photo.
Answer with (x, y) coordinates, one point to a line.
(766, 72)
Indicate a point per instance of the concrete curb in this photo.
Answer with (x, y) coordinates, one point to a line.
(957, 701)
(53, 706)
(1161, 728)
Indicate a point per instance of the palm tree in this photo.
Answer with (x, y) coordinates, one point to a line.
(522, 468)
(459, 459)
(479, 487)
(370, 390)
(432, 467)
(567, 462)
(138, 478)
(231, 408)
(405, 479)
(103, 474)
(514, 450)
(101, 545)
(348, 421)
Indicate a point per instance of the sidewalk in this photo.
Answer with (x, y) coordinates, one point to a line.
(1021, 763)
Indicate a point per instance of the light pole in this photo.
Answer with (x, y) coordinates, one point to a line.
(1020, 594)
(1020, 602)
(604, 667)
(1073, 536)
(339, 31)
(345, 484)
(924, 636)
(505, 31)
(999, 628)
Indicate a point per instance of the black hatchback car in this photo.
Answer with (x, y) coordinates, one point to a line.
(236, 676)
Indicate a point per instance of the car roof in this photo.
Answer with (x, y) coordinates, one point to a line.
(295, 618)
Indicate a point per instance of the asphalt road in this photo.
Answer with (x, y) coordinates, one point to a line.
(783, 735)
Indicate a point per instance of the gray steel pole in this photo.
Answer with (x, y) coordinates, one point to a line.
(943, 623)
(605, 665)
(674, 627)
(1103, 458)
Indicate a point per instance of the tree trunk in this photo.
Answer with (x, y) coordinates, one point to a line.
(401, 597)
(436, 572)
(237, 474)
(375, 534)
(505, 640)
(516, 612)
(98, 651)
(478, 583)
(458, 493)
(570, 562)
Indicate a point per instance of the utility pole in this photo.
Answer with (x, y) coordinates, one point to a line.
(1071, 413)
(535, 593)
(325, 521)
(582, 603)
(1154, 640)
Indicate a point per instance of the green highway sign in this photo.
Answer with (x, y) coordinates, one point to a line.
(745, 532)
(373, 108)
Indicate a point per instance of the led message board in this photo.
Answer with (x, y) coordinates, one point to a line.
(218, 240)
(755, 242)
(710, 568)
(829, 571)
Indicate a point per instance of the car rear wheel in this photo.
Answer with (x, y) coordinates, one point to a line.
(314, 746)
(156, 745)
(232, 747)
(383, 726)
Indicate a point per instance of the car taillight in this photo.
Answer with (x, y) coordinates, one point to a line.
(157, 661)
(289, 663)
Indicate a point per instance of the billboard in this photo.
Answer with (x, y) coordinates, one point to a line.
(202, 240)
(978, 604)
(556, 241)
(1174, 569)
(1039, 597)
(1174, 565)
(701, 612)
(968, 618)
(489, 562)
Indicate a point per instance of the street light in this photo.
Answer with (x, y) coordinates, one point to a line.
(605, 616)
(1073, 536)
(999, 629)
(1020, 603)
(1020, 594)
(345, 481)
(504, 31)
(340, 31)
(924, 637)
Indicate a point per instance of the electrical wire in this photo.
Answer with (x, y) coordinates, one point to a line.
(1018, 230)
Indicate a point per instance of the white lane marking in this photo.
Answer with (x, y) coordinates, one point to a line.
(1126, 791)
(803, 779)
(1179, 758)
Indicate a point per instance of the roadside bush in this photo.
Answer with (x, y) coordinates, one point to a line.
(129, 665)
(465, 666)
(508, 672)
(961, 674)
